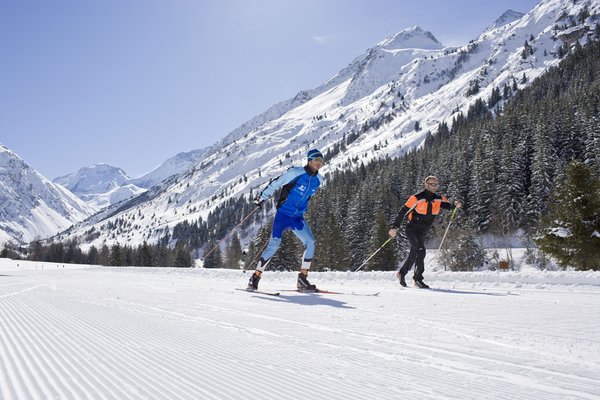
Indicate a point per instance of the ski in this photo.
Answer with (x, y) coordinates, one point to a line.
(329, 292)
(414, 287)
(259, 292)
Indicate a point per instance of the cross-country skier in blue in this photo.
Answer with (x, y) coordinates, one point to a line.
(298, 185)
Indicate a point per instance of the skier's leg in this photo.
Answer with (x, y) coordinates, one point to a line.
(307, 238)
(302, 230)
(416, 255)
(408, 263)
(413, 253)
(420, 259)
(280, 224)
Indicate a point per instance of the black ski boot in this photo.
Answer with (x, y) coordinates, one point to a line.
(401, 278)
(304, 285)
(253, 283)
(420, 284)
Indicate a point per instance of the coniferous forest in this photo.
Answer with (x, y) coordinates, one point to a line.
(525, 165)
(504, 164)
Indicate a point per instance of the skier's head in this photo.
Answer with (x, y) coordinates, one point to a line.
(313, 154)
(431, 183)
(315, 159)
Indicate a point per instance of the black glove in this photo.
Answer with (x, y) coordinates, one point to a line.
(258, 202)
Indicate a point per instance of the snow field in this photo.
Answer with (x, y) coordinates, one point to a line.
(157, 333)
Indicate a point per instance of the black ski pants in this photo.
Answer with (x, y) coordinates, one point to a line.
(416, 255)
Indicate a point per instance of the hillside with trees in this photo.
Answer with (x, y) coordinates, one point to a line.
(502, 163)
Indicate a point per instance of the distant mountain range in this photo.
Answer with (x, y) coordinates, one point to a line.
(102, 185)
(382, 104)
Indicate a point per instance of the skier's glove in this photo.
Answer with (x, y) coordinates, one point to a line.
(258, 202)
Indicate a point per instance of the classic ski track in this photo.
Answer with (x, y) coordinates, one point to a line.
(446, 360)
(45, 331)
(158, 371)
(75, 333)
(588, 384)
(176, 315)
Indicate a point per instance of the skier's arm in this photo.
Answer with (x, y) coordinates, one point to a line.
(287, 177)
(446, 205)
(400, 217)
(410, 204)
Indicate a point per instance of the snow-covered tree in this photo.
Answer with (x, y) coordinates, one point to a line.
(572, 225)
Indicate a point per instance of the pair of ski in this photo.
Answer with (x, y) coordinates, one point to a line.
(319, 291)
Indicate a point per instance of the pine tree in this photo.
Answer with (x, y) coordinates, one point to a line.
(507, 208)
(331, 252)
(38, 252)
(145, 256)
(164, 255)
(386, 258)
(129, 255)
(592, 144)
(92, 255)
(115, 258)
(467, 253)
(289, 254)
(233, 253)
(459, 180)
(572, 233)
(183, 259)
(359, 224)
(212, 260)
(257, 246)
(103, 255)
(542, 174)
(482, 190)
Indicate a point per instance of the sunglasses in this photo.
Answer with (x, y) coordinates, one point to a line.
(433, 184)
(318, 159)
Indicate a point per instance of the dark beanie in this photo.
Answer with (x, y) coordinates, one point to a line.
(313, 153)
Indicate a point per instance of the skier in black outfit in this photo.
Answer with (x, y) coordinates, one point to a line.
(422, 209)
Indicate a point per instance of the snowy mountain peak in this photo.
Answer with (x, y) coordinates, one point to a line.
(32, 206)
(415, 37)
(94, 179)
(173, 166)
(506, 18)
(100, 185)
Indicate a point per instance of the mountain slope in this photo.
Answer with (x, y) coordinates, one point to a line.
(173, 166)
(382, 104)
(506, 18)
(33, 207)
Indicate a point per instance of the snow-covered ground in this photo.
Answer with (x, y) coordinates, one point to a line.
(71, 332)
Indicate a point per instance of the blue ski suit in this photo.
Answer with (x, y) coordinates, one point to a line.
(297, 186)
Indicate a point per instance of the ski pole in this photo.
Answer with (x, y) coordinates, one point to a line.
(357, 269)
(445, 233)
(229, 234)
(257, 254)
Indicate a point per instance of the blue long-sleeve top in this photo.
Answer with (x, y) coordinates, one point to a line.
(298, 185)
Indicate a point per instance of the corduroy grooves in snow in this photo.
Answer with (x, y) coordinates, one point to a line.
(69, 332)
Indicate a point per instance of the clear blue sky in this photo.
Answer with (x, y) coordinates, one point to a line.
(131, 83)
